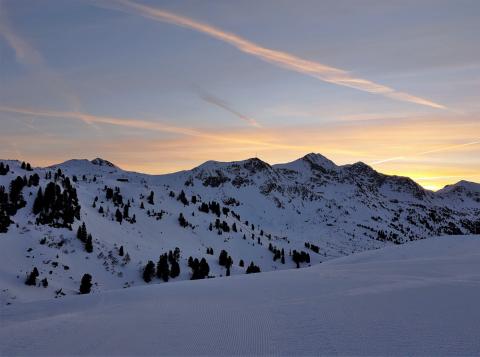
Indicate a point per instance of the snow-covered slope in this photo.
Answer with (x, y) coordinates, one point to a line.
(420, 298)
(339, 209)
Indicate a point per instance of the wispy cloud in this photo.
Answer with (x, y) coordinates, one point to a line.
(136, 123)
(421, 153)
(224, 105)
(283, 59)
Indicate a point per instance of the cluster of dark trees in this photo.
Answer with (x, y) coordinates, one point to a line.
(210, 251)
(120, 217)
(222, 226)
(12, 201)
(225, 260)
(277, 253)
(32, 279)
(85, 238)
(167, 267)
(200, 269)
(183, 198)
(157, 215)
(213, 207)
(390, 237)
(56, 207)
(312, 247)
(114, 195)
(26, 166)
(252, 268)
(300, 257)
(4, 169)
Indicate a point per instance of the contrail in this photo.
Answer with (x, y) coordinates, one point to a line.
(141, 124)
(445, 148)
(283, 59)
(224, 105)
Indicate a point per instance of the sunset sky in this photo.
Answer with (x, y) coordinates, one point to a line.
(161, 86)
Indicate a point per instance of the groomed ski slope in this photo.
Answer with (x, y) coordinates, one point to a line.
(421, 298)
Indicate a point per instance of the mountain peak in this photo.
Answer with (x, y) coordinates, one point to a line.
(102, 162)
(320, 160)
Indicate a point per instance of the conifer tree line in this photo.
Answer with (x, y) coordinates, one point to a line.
(167, 267)
(312, 247)
(252, 269)
(56, 207)
(200, 269)
(300, 257)
(13, 200)
(277, 253)
(213, 206)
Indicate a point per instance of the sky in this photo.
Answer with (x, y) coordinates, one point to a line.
(162, 86)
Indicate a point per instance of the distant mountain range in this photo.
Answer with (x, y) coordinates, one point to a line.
(311, 209)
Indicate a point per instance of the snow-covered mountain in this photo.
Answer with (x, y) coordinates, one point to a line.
(250, 209)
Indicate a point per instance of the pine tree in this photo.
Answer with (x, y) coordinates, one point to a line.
(38, 203)
(182, 198)
(32, 277)
(148, 271)
(223, 258)
(181, 219)
(204, 268)
(118, 216)
(120, 251)
(82, 233)
(86, 284)
(150, 198)
(175, 269)
(163, 270)
(89, 244)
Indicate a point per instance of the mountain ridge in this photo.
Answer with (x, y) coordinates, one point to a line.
(312, 158)
(273, 216)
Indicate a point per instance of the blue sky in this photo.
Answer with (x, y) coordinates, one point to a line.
(120, 61)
